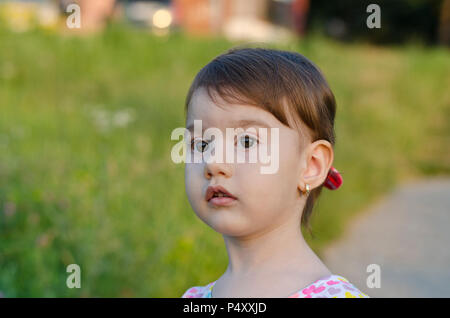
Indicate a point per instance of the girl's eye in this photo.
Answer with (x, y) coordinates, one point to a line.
(248, 141)
(199, 146)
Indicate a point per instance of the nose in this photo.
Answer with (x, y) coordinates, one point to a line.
(218, 165)
(214, 169)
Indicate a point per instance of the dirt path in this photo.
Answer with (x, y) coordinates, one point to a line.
(408, 235)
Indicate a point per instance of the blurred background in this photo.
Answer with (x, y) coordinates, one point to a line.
(86, 116)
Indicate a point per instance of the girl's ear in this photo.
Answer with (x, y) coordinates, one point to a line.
(319, 159)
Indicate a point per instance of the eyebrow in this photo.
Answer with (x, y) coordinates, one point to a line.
(240, 124)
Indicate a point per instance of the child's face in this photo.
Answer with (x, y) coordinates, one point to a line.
(263, 200)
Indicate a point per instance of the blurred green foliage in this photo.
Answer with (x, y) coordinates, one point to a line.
(85, 169)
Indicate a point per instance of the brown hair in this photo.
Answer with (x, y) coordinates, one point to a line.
(266, 78)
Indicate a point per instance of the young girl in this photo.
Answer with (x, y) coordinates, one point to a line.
(261, 215)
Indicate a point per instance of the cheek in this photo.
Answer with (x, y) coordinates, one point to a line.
(258, 191)
(290, 161)
(193, 183)
(269, 191)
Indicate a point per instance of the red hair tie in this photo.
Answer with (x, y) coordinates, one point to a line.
(334, 179)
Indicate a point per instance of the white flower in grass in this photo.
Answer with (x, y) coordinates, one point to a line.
(106, 120)
(101, 119)
(123, 117)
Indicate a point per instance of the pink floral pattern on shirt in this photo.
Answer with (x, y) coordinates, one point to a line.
(333, 286)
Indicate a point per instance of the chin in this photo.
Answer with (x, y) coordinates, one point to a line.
(224, 224)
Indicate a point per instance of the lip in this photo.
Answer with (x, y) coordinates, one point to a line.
(222, 201)
(219, 200)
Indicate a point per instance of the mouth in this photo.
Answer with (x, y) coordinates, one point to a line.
(219, 196)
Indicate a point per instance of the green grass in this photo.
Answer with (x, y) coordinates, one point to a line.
(75, 188)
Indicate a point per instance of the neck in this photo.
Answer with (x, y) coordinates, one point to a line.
(278, 249)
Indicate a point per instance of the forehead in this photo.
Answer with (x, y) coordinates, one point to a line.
(213, 114)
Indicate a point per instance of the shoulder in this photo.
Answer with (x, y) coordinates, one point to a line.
(197, 291)
(333, 286)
